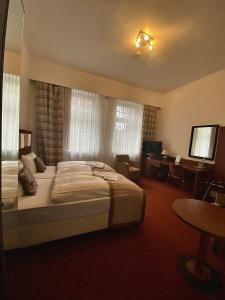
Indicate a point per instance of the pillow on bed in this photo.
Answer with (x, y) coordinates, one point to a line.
(20, 165)
(28, 181)
(28, 161)
(40, 166)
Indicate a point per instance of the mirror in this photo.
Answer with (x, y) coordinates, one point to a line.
(203, 141)
(10, 105)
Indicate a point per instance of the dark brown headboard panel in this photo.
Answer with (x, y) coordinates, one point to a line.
(25, 139)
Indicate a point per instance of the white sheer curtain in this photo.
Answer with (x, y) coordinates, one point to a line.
(84, 127)
(127, 128)
(98, 128)
(10, 116)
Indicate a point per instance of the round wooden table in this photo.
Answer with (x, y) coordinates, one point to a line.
(210, 221)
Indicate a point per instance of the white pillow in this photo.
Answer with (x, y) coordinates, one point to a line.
(28, 161)
(20, 165)
(220, 198)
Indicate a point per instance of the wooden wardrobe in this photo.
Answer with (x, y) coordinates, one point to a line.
(219, 168)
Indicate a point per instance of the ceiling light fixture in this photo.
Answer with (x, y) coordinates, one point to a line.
(143, 40)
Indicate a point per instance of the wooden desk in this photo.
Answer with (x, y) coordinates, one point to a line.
(210, 221)
(201, 175)
(151, 166)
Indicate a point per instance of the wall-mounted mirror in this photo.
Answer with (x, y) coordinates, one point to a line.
(203, 141)
(10, 105)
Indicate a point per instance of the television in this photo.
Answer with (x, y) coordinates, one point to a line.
(152, 147)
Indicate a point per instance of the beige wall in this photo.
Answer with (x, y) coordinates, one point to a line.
(54, 73)
(12, 62)
(38, 69)
(198, 103)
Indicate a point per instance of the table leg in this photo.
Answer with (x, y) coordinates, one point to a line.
(207, 191)
(195, 269)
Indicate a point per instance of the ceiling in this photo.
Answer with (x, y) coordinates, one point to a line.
(98, 36)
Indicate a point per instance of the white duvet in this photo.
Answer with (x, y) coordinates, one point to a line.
(74, 181)
(78, 186)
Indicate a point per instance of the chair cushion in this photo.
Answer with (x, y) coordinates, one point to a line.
(220, 198)
(134, 173)
(133, 169)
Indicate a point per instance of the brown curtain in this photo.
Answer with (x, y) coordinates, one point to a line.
(149, 124)
(49, 121)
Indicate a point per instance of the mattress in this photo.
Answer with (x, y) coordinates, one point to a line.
(48, 173)
(40, 209)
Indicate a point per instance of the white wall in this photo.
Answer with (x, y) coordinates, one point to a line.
(12, 62)
(54, 73)
(198, 103)
(30, 67)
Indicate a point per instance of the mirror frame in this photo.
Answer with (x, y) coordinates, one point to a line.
(4, 4)
(215, 142)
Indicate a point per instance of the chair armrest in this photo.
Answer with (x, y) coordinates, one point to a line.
(122, 168)
(134, 164)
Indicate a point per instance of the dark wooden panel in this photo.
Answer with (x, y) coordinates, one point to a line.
(194, 163)
(27, 149)
(219, 168)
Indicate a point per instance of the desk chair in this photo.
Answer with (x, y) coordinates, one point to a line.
(219, 243)
(176, 172)
(127, 167)
(217, 186)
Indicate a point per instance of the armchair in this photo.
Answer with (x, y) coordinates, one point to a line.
(127, 167)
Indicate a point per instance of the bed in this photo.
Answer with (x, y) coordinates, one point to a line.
(50, 215)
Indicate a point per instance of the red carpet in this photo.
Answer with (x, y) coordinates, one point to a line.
(132, 263)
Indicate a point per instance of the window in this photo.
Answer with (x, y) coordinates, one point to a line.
(85, 124)
(127, 128)
(10, 116)
(100, 128)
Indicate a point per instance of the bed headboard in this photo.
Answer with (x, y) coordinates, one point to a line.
(25, 138)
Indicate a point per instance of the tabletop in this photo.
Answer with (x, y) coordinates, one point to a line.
(185, 165)
(201, 215)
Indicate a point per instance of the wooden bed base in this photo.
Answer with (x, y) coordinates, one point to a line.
(40, 233)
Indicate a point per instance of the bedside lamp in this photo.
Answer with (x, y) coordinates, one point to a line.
(164, 153)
